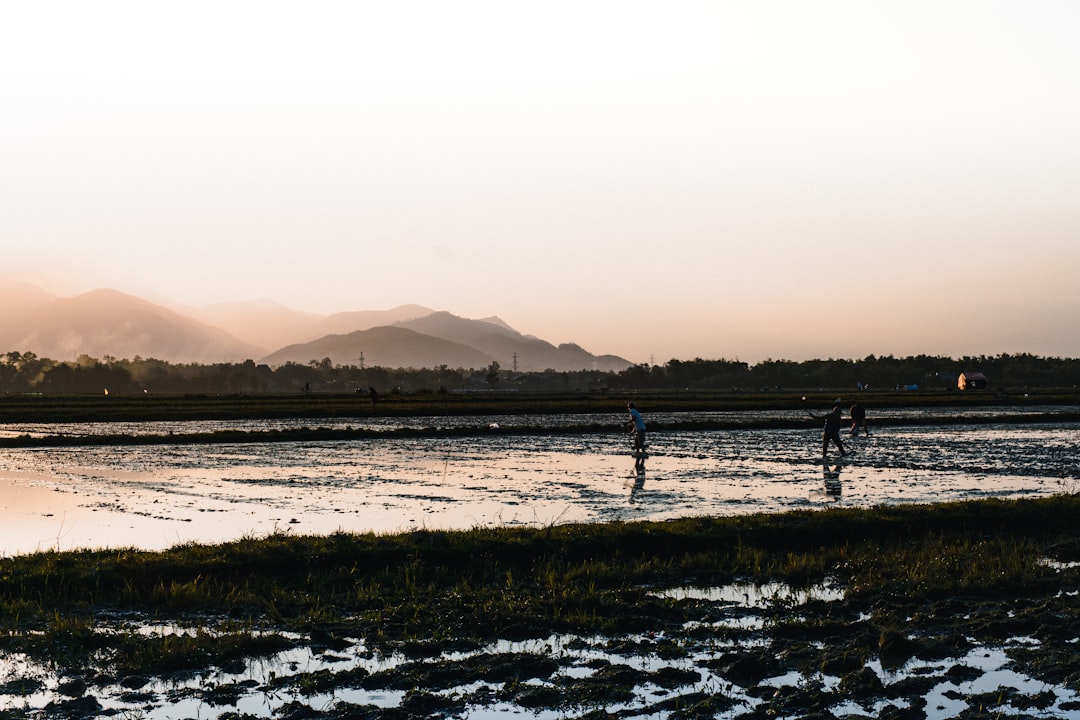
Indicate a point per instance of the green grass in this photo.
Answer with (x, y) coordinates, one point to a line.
(923, 547)
(491, 582)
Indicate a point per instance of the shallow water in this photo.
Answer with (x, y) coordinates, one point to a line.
(154, 497)
(264, 686)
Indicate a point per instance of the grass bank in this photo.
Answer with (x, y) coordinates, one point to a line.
(917, 584)
(582, 578)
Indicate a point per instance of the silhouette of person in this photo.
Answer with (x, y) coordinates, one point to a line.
(858, 419)
(831, 431)
(638, 429)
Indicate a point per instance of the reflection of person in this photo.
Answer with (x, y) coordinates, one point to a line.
(832, 480)
(638, 423)
(639, 479)
(831, 431)
(858, 419)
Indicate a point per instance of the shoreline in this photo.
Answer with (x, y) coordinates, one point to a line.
(318, 433)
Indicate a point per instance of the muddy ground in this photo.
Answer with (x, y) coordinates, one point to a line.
(749, 648)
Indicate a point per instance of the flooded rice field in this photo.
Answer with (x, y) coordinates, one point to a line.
(742, 650)
(157, 496)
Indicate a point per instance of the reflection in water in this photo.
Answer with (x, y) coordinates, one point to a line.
(832, 480)
(946, 686)
(639, 477)
(154, 497)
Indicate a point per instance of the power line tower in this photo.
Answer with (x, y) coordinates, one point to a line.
(515, 362)
(361, 360)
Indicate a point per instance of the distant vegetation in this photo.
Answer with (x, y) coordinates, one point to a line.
(22, 373)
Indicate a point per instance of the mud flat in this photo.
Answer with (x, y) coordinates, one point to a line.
(964, 609)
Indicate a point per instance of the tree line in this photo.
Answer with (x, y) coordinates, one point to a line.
(25, 372)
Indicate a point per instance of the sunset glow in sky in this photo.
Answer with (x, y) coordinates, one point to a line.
(654, 180)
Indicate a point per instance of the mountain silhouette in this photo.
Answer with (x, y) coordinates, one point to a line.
(509, 347)
(271, 326)
(347, 322)
(104, 323)
(387, 346)
(108, 323)
(441, 338)
(23, 297)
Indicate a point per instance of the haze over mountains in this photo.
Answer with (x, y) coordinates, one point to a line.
(108, 323)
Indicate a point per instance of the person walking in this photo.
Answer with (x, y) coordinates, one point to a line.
(858, 419)
(831, 431)
(638, 429)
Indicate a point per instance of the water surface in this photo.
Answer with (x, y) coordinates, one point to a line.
(157, 496)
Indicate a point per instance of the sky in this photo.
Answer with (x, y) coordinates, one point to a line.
(740, 180)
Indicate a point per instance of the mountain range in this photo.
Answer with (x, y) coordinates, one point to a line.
(108, 323)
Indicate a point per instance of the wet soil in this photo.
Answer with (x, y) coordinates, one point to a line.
(653, 646)
(822, 640)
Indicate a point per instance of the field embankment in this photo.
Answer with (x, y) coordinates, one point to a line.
(135, 408)
(1051, 406)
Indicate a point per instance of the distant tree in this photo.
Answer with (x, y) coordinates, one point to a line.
(61, 380)
(22, 372)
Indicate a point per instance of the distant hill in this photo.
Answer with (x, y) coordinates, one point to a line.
(109, 323)
(23, 298)
(270, 326)
(501, 342)
(385, 346)
(347, 322)
(441, 338)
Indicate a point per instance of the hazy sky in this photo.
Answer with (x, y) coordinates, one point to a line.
(667, 179)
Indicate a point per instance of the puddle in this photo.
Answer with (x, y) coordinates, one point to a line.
(751, 595)
(661, 670)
